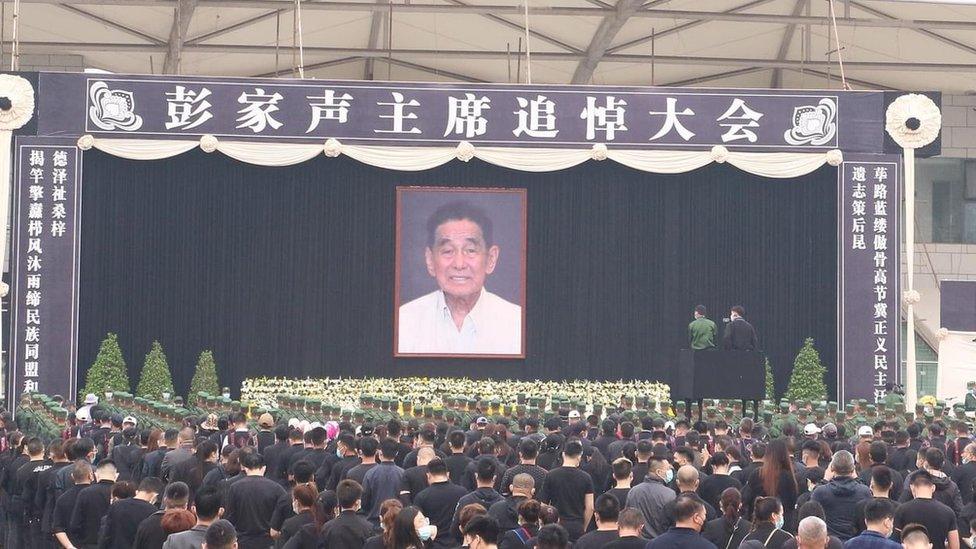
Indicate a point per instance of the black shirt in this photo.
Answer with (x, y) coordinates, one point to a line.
(358, 472)
(340, 469)
(457, 464)
(45, 497)
(537, 473)
(150, 534)
(712, 487)
(348, 530)
(566, 489)
(621, 495)
(272, 457)
(438, 502)
(292, 526)
(122, 521)
(61, 521)
(248, 505)
(627, 542)
(90, 507)
(597, 539)
(413, 482)
(937, 518)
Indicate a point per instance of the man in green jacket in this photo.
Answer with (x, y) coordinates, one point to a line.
(701, 331)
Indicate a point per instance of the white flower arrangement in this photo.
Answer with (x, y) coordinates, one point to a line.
(347, 393)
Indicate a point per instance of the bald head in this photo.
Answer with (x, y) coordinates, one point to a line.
(687, 478)
(424, 455)
(812, 533)
(523, 485)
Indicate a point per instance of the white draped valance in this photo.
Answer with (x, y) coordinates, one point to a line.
(528, 159)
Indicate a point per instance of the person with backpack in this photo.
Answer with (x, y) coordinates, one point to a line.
(239, 435)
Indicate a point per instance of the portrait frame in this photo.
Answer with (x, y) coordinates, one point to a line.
(442, 195)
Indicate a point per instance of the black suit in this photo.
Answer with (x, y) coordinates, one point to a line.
(348, 530)
(740, 336)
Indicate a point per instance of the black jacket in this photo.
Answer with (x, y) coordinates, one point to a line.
(122, 521)
(506, 512)
(90, 507)
(740, 336)
(348, 530)
(725, 534)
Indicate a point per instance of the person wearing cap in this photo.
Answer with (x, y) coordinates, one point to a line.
(938, 519)
(85, 410)
(265, 435)
(811, 431)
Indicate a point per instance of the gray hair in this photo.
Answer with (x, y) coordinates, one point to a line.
(842, 463)
(812, 529)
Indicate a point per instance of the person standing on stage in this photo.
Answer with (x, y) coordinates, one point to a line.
(701, 331)
(739, 334)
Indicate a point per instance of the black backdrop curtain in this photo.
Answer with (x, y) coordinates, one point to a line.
(289, 271)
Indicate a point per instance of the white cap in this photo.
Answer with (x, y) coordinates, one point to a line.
(90, 398)
(315, 425)
(865, 431)
(574, 414)
(303, 426)
(130, 419)
(811, 429)
(82, 415)
(293, 422)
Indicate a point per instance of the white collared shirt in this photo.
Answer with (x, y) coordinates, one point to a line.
(493, 326)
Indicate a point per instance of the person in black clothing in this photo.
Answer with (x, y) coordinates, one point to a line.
(768, 526)
(415, 478)
(739, 334)
(486, 451)
(250, 502)
(124, 516)
(425, 439)
(366, 448)
(265, 436)
(221, 535)
(608, 435)
(345, 445)
(880, 485)
(484, 494)
(522, 488)
(606, 511)
(152, 463)
(150, 533)
(272, 453)
(296, 445)
(728, 531)
(301, 474)
(11, 489)
(81, 477)
(965, 474)
(45, 498)
(902, 457)
(457, 462)
(26, 482)
(570, 490)
(91, 505)
(439, 500)
(126, 454)
(711, 488)
(303, 505)
(348, 530)
(938, 518)
(878, 451)
(689, 519)
(528, 450)
(630, 523)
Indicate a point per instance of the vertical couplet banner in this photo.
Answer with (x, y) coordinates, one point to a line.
(869, 277)
(44, 267)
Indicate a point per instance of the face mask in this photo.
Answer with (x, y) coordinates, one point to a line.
(294, 507)
(965, 460)
(779, 522)
(338, 452)
(426, 532)
(669, 476)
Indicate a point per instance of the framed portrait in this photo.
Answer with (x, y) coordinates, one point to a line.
(460, 272)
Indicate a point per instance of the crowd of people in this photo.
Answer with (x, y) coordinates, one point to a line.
(566, 481)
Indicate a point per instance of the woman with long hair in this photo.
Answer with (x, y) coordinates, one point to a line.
(774, 478)
(728, 531)
(389, 510)
(411, 530)
(767, 524)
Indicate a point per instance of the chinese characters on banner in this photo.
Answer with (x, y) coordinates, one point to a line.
(44, 265)
(500, 115)
(869, 324)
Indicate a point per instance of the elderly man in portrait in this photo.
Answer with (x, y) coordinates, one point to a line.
(462, 316)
